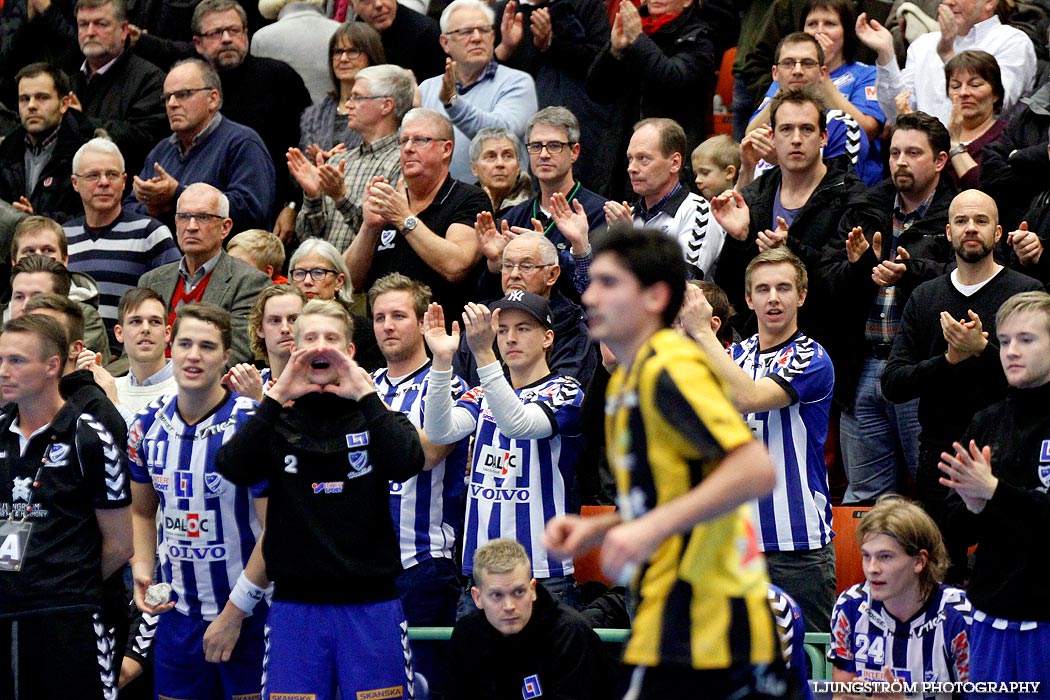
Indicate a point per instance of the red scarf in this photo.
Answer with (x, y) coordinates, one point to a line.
(650, 24)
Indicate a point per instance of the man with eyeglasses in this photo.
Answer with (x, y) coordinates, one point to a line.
(264, 94)
(564, 211)
(800, 64)
(36, 158)
(475, 91)
(333, 191)
(205, 146)
(421, 226)
(207, 273)
(114, 246)
(529, 263)
(410, 39)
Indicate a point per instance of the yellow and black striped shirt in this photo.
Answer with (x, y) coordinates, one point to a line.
(703, 592)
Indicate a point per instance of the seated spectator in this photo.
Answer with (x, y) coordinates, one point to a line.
(207, 272)
(323, 125)
(495, 160)
(476, 91)
(716, 163)
(530, 444)
(975, 88)
(113, 246)
(410, 39)
(521, 637)
(797, 204)
(260, 249)
(800, 64)
(205, 148)
(423, 229)
(902, 623)
(998, 476)
(964, 25)
(38, 235)
(564, 210)
(143, 331)
(318, 270)
(649, 63)
(36, 159)
(334, 189)
(530, 263)
(116, 90)
(655, 158)
(297, 39)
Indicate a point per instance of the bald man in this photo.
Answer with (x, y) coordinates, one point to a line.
(946, 353)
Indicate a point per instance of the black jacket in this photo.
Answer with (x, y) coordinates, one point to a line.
(557, 652)
(127, 102)
(329, 461)
(53, 195)
(80, 391)
(1010, 574)
(815, 227)
(849, 287)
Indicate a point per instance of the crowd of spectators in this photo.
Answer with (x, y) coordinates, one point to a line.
(432, 175)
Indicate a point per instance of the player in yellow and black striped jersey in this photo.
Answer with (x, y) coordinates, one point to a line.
(686, 465)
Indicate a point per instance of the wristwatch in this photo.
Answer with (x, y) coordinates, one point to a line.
(408, 225)
(957, 149)
(452, 100)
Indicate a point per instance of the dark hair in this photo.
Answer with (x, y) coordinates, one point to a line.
(208, 313)
(69, 309)
(984, 66)
(720, 308)
(32, 224)
(672, 135)
(58, 76)
(935, 131)
(799, 96)
(120, 7)
(52, 336)
(63, 281)
(136, 297)
(652, 257)
(800, 38)
(847, 17)
(362, 36)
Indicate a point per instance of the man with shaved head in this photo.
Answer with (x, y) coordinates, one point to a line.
(946, 351)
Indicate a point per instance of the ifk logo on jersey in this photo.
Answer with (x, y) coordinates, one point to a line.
(530, 688)
(184, 484)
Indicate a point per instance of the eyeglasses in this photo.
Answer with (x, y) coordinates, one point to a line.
(94, 176)
(418, 141)
(349, 53)
(317, 274)
(358, 99)
(234, 32)
(182, 95)
(553, 147)
(183, 217)
(525, 267)
(790, 63)
(467, 32)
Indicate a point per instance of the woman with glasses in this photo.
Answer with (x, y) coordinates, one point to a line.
(319, 272)
(354, 46)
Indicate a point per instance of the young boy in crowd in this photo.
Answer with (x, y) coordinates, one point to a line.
(260, 249)
(716, 163)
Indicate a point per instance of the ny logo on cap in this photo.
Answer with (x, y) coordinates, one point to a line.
(516, 295)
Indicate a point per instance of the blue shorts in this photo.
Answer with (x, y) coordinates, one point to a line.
(361, 649)
(180, 670)
(1011, 655)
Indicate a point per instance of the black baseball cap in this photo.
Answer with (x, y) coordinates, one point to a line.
(532, 304)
